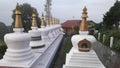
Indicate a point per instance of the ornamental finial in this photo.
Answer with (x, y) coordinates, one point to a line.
(83, 26)
(34, 22)
(18, 21)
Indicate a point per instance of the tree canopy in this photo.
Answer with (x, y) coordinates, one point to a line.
(3, 30)
(112, 17)
(26, 16)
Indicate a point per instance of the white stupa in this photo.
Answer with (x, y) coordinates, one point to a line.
(36, 40)
(44, 30)
(81, 54)
(19, 52)
(51, 28)
(20, 55)
(57, 27)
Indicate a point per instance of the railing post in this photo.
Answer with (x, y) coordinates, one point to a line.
(104, 38)
(111, 41)
(98, 36)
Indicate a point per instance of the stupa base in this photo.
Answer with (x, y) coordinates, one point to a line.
(37, 44)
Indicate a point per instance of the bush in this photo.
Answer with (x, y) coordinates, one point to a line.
(68, 44)
(3, 30)
(101, 37)
(3, 48)
(116, 46)
(110, 33)
(96, 36)
(91, 32)
(76, 30)
(107, 40)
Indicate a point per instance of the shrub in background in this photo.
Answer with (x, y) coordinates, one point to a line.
(3, 48)
(116, 46)
(110, 33)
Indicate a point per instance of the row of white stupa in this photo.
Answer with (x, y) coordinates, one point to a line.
(35, 49)
(81, 54)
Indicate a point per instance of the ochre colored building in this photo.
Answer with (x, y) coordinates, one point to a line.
(69, 26)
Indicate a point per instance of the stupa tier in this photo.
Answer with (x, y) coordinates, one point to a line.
(81, 54)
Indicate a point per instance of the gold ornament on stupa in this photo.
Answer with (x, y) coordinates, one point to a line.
(57, 21)
(34, 22)
(54, 21)
(51, 22)
(83, 26)
(18, 21)
(42, 24)
(47, 20)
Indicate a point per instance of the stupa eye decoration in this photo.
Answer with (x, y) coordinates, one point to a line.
(84, 45)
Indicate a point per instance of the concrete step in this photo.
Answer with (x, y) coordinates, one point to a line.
(85, 55)
(86, 64)
(85, 59)
(73, 66)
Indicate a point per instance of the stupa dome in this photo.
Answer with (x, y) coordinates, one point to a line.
(83, 41)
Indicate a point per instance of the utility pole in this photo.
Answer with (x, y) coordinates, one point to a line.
(48, 10)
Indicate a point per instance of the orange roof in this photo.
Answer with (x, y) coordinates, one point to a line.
(71, 23)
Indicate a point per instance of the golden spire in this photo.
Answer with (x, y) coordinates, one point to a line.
(57, 21)
(83, 26)
(47, 21)
(34, 22)
(18, 21)
(51, 22)
(42, 24)
(54, 21)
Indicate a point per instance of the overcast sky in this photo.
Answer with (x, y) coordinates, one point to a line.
(62, 9)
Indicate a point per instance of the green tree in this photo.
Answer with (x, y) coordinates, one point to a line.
(3, 30)
(112, 17)
(98, 26)
(27, 10)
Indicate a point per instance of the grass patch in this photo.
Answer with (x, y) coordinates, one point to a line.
(68, 44)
